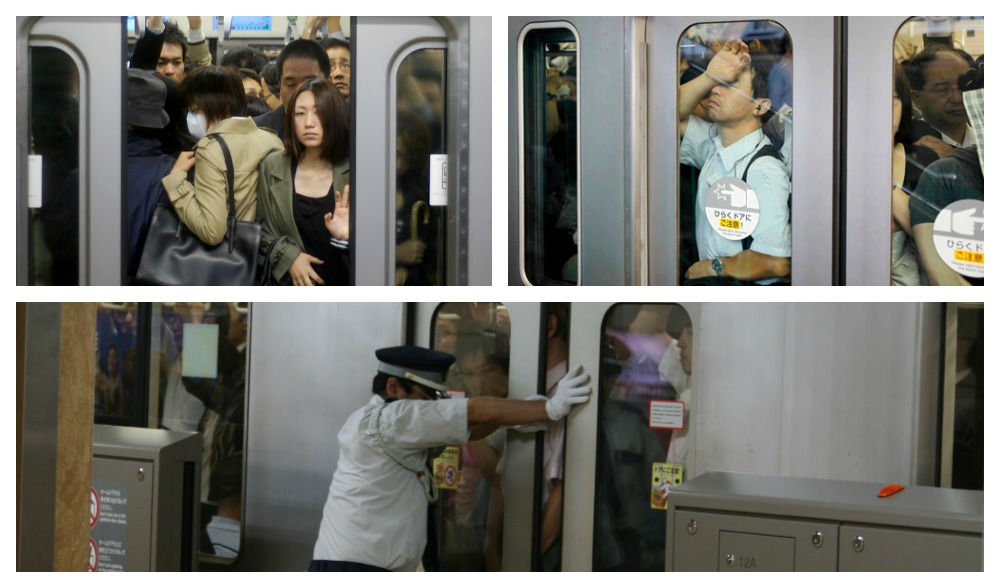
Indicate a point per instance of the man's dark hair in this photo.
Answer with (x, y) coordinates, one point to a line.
(677, 321)
(216, 91)
(304, 48)
(560, 310)
(335, 42)
(245, 74)
(245, 57)
(381, 380)
(332, 110)
(916, 68)
(257, 107)
(270, 77)
(174, 36)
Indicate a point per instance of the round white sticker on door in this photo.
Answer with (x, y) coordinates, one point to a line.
(958, 237)
(732, 208)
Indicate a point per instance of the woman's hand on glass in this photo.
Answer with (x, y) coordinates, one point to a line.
(410, 252)
(302, 272)
(338, 222)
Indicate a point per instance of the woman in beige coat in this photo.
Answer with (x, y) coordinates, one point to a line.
(217, 104)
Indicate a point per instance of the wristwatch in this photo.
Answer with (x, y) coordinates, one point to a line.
(717, 266)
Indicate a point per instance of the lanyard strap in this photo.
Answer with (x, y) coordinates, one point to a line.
(422, 472)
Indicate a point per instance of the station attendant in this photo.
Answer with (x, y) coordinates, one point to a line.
(375, 518)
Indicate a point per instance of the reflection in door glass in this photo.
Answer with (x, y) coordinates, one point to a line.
(469, 514)
(198, 383)
(937, 169)
(735, 134)
(550, 157)
(967, 454)
(55, 137)
(421, 235)
(644, 411)
(115, 387)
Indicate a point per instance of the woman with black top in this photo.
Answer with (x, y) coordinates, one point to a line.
(304, 217)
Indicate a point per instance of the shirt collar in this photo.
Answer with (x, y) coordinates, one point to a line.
(738, 150)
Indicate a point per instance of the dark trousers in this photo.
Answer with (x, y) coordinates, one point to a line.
(325, 565)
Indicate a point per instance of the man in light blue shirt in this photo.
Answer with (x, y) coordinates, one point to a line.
(735, 95)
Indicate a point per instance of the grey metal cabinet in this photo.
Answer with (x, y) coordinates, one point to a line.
(723, 521)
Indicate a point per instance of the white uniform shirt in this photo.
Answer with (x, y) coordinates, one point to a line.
(702, 147)
(376, 512)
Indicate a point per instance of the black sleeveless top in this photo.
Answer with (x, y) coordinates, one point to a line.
(308, 213)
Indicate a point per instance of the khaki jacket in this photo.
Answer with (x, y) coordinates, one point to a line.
(274, 211)
(202, 206)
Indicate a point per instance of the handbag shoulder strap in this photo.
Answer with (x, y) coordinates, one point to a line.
(231, 183)
(230, 174)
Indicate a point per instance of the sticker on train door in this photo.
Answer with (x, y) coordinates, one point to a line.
(665, 477)
(958, 237)
(732, 208)
(447, 469)
(666, 414)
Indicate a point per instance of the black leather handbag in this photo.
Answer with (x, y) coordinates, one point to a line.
(174, 256)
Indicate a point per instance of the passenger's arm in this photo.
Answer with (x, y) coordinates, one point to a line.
(937, 270)
(724, 68)
(202, 207)
(197, 53)
(747, 265)
(900, 199)
(552, 516)
(147, 49)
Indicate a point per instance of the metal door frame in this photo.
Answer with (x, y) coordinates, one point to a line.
(94, 43)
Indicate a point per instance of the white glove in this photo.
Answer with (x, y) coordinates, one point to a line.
(572, 389)
(532, 427)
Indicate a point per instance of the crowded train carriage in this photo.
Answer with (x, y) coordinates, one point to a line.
(121, 174)
(667, 150)
(215, 435)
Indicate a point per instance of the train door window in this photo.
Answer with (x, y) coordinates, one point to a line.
(962, 397)
(643, 416)
(421, 169)
(549, 155)
(735, 135)
(197, 382)
(54, 114)
(469, 514)
(549, 457)
(937, 169)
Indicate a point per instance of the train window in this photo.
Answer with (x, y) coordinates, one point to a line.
(421, 171)
(734, 126)
(469, 514)
(549, 153)
(643, 417)
(937, 169)
(549, 457)
(962, 397)
(54, 114)
(197, 382)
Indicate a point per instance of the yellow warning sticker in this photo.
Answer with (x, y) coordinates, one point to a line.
(446, 469)
(725, 223)
(665, 477)
(970, 256)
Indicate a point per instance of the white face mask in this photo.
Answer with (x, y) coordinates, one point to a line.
(197, 125)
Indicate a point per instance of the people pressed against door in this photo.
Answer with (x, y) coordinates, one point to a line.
(731, 130)
(646, 358)
(469, 517)
(303, 193)
(938, 146)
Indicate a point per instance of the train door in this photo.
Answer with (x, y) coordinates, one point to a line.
(417, 162)
(632, 441)
(572, 128)
(887, 158)
(483, 520)
(678, 50)
(70, 134)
